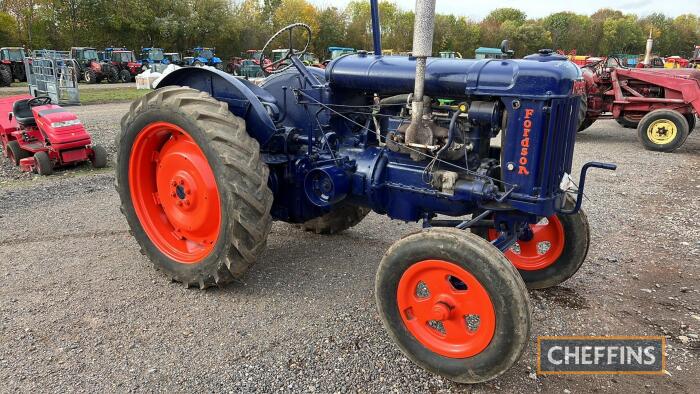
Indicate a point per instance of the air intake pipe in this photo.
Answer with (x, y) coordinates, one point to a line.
(423, 30)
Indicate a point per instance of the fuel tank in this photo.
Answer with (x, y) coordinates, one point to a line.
(538, 77)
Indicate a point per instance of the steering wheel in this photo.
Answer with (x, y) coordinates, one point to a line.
(37, 101)
(270, 68)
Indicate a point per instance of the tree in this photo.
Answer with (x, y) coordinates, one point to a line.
(622, 35)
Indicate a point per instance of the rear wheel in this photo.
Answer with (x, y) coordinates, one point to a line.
(585, 124)
(99, 157)
(339, 219)
(15, 153)
(193, 186)
(112, 76)
(453, 304)
(43, 163)
(629, 121)
(5, 77)
(663, 130)
(124, 76)
(690, 118)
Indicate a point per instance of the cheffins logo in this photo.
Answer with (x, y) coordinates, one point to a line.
(601, 355)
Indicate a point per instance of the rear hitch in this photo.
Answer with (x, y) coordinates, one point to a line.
(582, 183)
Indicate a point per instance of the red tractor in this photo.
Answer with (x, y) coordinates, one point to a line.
(124, 62)
(660, 103)
(235, 63)
(38, 136)
(91, 68)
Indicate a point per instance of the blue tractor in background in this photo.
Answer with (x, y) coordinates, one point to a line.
(202, 56)
(151, 57)
(479, 151)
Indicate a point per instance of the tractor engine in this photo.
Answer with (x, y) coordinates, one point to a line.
(351, 139)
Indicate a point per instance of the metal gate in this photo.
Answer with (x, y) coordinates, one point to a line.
(54, 74)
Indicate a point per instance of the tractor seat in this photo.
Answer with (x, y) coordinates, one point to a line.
(23, 113)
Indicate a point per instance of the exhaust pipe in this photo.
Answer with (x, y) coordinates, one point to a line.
(423, 30)
(647, 52)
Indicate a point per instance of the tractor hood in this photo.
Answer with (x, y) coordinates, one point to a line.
(455, 77)
(691, 73)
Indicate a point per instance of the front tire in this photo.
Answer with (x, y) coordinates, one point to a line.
(43, 163)
(453, 304)
(90, 76)
(663, 130)
(99, 157)
(212, 216)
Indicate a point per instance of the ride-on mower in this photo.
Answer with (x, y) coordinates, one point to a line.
(208, 160)
(38, 136)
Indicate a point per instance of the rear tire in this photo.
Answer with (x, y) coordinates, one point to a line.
(43, 163)
(341, 218)
(585, 124)
(219, 141)
(124, 76)
(690, 118)
(663, 130)
(112, 76)
(99, 157)
(5, 77)
(472, 278)
(15, 153)
(627, 121)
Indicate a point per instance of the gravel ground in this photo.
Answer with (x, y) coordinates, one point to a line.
(81, 309)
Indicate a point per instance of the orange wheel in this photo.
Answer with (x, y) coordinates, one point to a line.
(446, 308)
(541, 248)
(193, 186)
(174, 192)
(453, 304)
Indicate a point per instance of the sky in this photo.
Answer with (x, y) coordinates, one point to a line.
(478, 9)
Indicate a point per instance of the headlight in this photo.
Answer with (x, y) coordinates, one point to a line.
(66, 123)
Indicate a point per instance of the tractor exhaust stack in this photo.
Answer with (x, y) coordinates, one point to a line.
(423, 30)
(647, 52)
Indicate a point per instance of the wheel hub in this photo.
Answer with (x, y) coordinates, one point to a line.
(439, 302)
(662, 131)
(174, 192)
(540, 245)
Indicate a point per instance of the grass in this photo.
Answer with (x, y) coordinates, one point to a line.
(113, 95)
(105, 95)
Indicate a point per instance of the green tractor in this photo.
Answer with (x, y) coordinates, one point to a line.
(12, 65)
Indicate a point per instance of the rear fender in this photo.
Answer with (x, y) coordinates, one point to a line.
(241, 99)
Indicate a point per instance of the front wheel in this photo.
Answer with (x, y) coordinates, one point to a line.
(193, 186)
(43, 163)
(663, 130)
(99, 157)
(453, 304)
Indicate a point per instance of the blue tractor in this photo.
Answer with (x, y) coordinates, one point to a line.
(150, 57)
(204, 57)
(207, 161)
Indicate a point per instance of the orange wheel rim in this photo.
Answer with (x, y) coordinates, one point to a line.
(541, 250)
(174, 192)
(446, 308)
